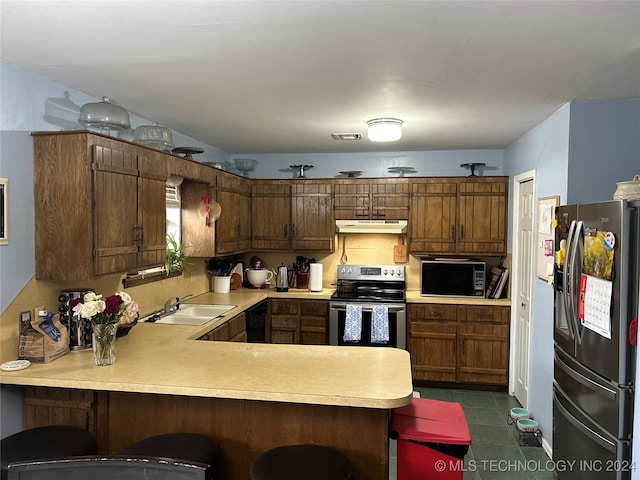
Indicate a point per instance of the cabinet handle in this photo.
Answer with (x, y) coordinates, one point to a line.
(435, 314)
(137, 235)
(141, 235)
(461, 232)
(293, 229)
(286, 230)
(453, 232)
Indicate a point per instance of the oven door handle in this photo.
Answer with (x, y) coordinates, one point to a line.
(367, 307)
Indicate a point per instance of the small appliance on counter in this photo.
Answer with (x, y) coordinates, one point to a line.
(282, 279)
(80, 332)
(452, 277)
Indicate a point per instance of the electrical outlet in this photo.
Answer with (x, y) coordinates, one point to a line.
(193, 277)
(36, 311)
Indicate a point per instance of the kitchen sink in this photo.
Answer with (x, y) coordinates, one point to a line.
(195, 314)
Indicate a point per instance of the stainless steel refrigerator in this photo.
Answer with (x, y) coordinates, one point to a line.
(595, 302)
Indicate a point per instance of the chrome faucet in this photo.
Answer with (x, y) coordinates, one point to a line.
(169, 306)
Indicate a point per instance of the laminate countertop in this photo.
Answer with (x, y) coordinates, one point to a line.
(413, 296)
(167, 359)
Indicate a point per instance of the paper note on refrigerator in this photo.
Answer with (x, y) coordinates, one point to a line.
(594, 306)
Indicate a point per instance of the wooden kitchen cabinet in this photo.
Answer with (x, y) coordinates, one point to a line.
(483, 356)
(482, 216)
(314, 322)
(459, 344)
(233, 330)
(283, 324)
(233, 228)
(295, 321)
(99, 205)
(46, 406)
(432, 223)
(270, 215)
(433, 337)
(371, 199)
(197, 235)
(190, 169)
(312, 221)
(459, 216)
(292, 215)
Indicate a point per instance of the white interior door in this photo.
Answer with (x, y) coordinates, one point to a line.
(522, 292)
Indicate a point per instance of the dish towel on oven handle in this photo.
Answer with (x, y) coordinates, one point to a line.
(380, 324)
(353, 323)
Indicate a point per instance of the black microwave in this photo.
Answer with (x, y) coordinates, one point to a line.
(455, 277)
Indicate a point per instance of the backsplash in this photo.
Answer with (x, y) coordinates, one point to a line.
(367, 249)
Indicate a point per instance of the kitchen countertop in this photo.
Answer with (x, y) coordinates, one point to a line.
(413, 296)
(166, 359)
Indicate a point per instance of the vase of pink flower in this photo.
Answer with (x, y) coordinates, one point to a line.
(105, 317)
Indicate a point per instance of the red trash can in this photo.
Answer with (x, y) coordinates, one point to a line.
(433, 438)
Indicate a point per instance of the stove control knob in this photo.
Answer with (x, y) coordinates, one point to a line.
(393, 272)
(349, 271)
(342, 270)
(399, 272)
(386, 272)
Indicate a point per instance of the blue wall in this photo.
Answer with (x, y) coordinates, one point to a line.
(579, 153)
(604, 148)
(425, 163)
(544, 149)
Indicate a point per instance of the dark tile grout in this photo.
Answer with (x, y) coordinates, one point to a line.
(495, 452)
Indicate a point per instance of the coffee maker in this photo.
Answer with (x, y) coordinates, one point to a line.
(80, 332)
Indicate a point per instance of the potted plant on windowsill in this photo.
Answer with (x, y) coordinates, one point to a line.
(176, 258)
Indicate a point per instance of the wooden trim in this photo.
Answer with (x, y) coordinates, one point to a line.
(154, 277)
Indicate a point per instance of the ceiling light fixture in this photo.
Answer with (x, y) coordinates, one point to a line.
(384, 129)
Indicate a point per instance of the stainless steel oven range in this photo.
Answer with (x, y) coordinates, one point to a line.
(363, 289)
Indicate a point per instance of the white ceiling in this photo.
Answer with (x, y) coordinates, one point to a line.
(278, 77)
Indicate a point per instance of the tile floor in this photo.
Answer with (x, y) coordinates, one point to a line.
(495, 452)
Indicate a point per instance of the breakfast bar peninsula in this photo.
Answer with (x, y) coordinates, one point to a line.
(247, 397)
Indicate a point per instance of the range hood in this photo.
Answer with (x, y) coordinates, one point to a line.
(371, 226)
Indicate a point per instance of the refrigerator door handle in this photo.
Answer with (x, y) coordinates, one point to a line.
(595, 436)
(578, 377)
(573, 287)
(566, 291)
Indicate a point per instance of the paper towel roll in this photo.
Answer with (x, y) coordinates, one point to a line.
(315, 277)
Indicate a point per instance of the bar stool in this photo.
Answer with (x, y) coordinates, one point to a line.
(191, 447)
(45, 442)
(293, 462)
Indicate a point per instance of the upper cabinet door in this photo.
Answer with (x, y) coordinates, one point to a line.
(270, 216)
(152, 210)
(233, 228)
(312, 221)
(371, 199)
(483, 216)
(117, 232)
(432, 226)
(352, 199)
(390, 199)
